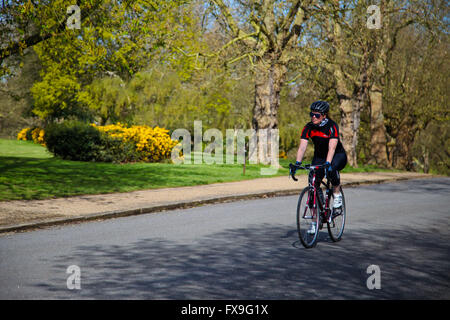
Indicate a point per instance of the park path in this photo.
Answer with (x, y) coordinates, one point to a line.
(28, 214)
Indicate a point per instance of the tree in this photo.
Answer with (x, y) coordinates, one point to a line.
(356, 58)
(426, 18)
(24, 24)
(119, 39)
(350, 71)
(267, 34)
(339, 62)
(163, 97)
(108, 99)
(15, 96)
(55, 97)
(428, 153)
(416, 96)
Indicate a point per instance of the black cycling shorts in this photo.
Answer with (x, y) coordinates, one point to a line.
(338, 163)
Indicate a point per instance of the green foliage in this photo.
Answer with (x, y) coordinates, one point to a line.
(107, 98)
(115, 150)
(143, 62)
(294, 114)
(430, 149)
(16, 99)
(73, 140)
(55, 97)
(86, 71)
(28, 135)
(416, 101)
(163, 98)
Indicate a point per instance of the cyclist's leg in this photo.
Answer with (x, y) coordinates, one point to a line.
(338, 163)
(319, 177)
(319, 173)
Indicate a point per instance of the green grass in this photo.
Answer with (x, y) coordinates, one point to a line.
(28, 171)
(23, 149)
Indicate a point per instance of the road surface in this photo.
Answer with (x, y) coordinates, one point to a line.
(244, 250)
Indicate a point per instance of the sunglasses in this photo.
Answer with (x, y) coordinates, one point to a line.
(317, 115)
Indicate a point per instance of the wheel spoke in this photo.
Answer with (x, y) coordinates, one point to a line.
(338, 215)
(307, 220)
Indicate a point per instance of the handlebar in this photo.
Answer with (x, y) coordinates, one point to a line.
(305, 167)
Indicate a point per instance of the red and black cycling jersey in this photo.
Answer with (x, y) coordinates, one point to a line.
(321, 135)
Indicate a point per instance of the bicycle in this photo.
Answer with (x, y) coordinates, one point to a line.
(312, 213)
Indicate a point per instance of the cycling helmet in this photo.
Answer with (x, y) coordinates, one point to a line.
(320, 106)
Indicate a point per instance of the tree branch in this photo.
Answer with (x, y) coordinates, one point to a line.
(289, 18)
(16, 47)
(237, 32)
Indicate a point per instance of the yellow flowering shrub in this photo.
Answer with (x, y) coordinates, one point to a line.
(38, 136)
(152, 144)
(32, 134)
(136, 143)
(22, 135)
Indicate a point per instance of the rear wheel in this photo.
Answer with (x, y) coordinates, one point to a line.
(337, 222)
(307, 218)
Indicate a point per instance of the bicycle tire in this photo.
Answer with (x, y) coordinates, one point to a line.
(305, 217)
(337, 224)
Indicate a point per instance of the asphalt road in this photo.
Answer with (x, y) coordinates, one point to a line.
(244, 250)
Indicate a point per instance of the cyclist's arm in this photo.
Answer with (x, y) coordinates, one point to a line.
(331, 149)
(302, 149)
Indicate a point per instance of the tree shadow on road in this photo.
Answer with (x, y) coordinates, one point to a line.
(262, 262)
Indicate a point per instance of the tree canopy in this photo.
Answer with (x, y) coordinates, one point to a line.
(238, 64)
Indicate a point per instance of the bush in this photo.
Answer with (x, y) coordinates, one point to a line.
(34, 134)
(22, 135)
(73, 140)
(114, 149)
(151, 144)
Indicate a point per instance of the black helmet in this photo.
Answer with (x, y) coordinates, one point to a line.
(320, 106)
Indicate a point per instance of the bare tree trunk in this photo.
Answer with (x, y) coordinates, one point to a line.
(345, 91)
(377, 72)
(349, 126)
(426, 161)
(269, 78)
(267, 97)
(402, 157)
(349, 118)
(273, 43)
(378, 140)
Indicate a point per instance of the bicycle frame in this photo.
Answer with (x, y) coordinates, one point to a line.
(323, 207)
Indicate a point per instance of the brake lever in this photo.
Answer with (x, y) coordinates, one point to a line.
(290, 172)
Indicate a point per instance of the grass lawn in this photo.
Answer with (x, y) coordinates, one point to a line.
(28, 171)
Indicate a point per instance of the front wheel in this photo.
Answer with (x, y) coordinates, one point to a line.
(308, 218)
(336, 223)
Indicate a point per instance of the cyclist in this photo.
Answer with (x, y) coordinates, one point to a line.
(328, 149)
